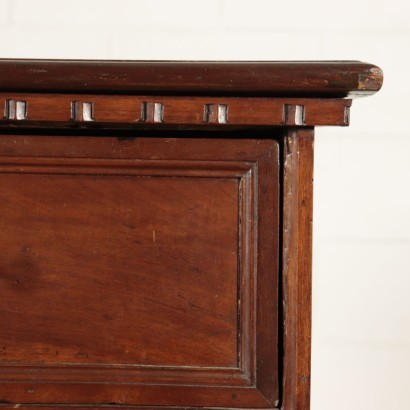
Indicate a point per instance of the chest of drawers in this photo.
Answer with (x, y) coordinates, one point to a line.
(155, 230)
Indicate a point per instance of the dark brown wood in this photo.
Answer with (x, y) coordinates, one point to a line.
(282, 78)
(140, 269)
(297, 266)
(156, 230)
(65, 111)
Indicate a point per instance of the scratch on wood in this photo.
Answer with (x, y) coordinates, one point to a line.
(37, 70)
(290, 192)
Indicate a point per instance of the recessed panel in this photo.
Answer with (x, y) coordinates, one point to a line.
(119, 269)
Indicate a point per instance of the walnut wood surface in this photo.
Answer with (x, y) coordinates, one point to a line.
(297, 266)
(292, 78)
(143, 272)
(115, 111)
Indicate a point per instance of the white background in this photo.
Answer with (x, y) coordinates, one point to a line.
(361, 307)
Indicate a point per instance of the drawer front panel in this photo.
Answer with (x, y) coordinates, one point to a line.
(140, 273)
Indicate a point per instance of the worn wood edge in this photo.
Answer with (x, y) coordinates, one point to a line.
(308, 78)
(297, 266)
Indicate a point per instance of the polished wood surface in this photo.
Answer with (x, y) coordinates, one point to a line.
(156, 230)
(139, 267)
(94, 238)
(102, 111)
(259, 78)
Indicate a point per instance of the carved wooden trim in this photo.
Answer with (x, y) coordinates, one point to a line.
(15, 110)
(137, 111)
(82, 111)
(152, 112)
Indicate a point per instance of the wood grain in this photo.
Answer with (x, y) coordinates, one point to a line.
(281, 78)
(131, 278)
(297, 266)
